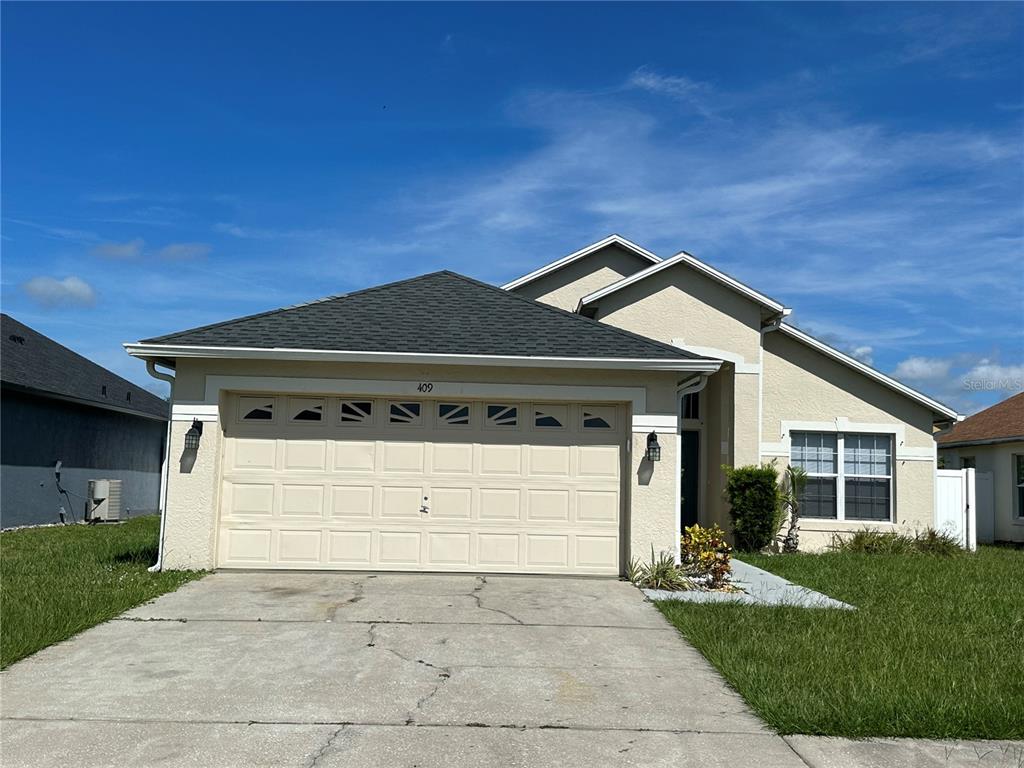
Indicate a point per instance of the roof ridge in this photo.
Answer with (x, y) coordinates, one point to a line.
(578, 317)
(300, 305)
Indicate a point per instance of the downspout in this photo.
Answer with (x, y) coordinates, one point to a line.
(686, 387)
(166, 468)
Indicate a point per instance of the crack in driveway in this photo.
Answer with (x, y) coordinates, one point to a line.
(481, 581)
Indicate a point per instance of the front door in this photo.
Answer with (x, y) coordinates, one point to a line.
(690, 481)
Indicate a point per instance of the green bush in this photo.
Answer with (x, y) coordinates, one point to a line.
(869, 542)
(661, 573)
(755, 505)
(705, 553)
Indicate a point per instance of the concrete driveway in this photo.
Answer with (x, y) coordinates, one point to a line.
(317, 669)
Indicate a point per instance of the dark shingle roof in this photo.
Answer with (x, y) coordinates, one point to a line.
(439, 313)
(34, 362)
(1003, 421)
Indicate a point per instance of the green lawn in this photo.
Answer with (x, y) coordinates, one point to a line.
(55, 582)
(935, 649)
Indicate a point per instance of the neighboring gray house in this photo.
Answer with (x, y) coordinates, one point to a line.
(59, 406)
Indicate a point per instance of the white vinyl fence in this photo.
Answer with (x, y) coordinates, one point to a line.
(955, 505)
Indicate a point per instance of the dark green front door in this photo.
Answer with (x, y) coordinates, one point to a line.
(690, 485)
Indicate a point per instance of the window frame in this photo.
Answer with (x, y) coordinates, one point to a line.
(1016, 477)
(841, 476)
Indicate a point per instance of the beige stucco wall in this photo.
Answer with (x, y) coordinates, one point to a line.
(564, 287)
(193, 495)
(999, 461)
(801, 384)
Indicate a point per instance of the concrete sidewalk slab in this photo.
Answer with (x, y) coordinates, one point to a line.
(827, 752)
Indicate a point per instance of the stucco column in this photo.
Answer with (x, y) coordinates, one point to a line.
(191, 512)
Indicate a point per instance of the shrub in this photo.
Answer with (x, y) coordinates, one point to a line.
(869, 542)
(704, 553)
(661, 573)
(755, 505)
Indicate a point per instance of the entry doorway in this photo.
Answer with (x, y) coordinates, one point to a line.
(689, 485)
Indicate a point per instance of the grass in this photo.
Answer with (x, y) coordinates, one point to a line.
(935, 649)
(57, 581)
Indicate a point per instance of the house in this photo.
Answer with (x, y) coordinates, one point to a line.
(59, 406)
(992, 443)
(563, 423)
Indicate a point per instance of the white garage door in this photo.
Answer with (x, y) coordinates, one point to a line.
(434, 485)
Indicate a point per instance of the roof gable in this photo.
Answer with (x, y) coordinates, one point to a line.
(582, 253)
(685, 259)
(441, 313)
(34, 362)
(1002, 422)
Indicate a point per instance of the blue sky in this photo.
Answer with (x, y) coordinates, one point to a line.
(169, 165)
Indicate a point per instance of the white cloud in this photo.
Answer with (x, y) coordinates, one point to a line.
(862, 353)
(177, 251)
(923, 369)
(129, 250)
(50, 292)
(677, 87)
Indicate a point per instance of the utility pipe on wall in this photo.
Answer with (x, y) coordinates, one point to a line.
(165, 469)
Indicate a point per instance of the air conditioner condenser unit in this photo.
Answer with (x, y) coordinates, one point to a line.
(104, 503)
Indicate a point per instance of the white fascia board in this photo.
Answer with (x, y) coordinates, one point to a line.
(565, 260)
(981, 441)
(147, 351)
(684, 258)
(867, 370)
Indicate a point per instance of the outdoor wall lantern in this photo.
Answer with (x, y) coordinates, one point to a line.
(192, 436)
(653, 448)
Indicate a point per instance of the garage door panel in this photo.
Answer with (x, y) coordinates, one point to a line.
(349, 548)
(299, 547)
(248, 499)
(451, 503)
(254, 454)
(305, 455)
(547, 551)
(302, 501)
(546, 505)
(354, 501)
(399, 547)
(548, 460)
(527, 495)
(354, 455)
(500, 504)
(403, 457)
(398, 501)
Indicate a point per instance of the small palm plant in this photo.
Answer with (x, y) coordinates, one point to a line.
(794, 484)
(661, 573)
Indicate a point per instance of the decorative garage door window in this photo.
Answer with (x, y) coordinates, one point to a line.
(306, 409)
(550, 416)
(502, 415)
(410, 414)
(598, 416)
(256, 408)
(858, 487)
(356, 411)
(453, 414)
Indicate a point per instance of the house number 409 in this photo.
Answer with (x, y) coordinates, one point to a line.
(425, 386)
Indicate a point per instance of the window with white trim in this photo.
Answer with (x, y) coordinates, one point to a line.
(453, 414)
(857, 486)
(355, 411)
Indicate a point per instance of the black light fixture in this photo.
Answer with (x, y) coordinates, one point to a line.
(653, 448)
(193, 435)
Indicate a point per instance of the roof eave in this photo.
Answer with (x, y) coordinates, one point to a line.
(170, 351)
(981, 441)
(554, 266)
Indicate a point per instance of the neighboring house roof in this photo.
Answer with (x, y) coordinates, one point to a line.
(691, 261)
(442, 316)
(32, 362)
(867, 370)
(1000, 423)
(577, 255)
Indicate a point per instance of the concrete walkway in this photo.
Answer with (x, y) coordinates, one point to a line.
(300, 669)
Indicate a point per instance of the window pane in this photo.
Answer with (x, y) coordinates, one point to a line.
(868, 455)
(814, 451)
(819, 498)
(867, 499)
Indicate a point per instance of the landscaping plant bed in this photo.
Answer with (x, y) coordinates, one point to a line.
(56, 581)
